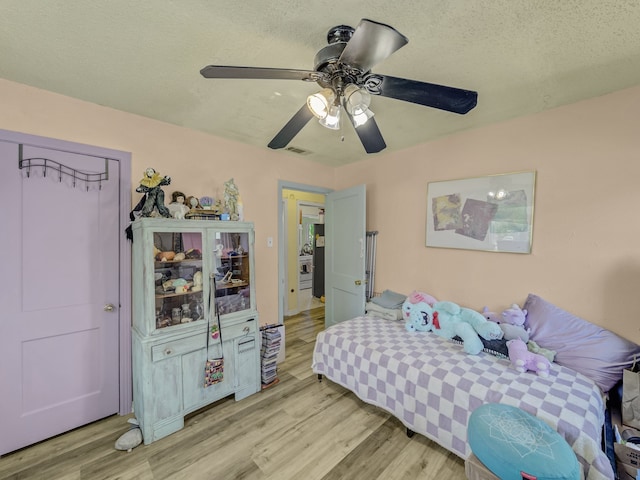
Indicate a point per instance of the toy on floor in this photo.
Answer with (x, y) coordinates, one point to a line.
(131, 438)
(523, 360)
(449, 320)
(510, 331)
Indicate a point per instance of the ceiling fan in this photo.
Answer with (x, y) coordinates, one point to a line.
(343, 70)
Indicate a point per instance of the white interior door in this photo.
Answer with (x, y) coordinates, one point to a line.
(59, 343)
(345, 254)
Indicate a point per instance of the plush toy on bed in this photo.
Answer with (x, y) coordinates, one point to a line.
(448, 320)
(509, 330)
(545, 352)
(416, 297)
(522, 359)
(514, 315)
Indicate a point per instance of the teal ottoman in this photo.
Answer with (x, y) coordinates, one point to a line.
(515, 445)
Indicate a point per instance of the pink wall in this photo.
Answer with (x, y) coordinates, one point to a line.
(198, 164)
(585, 254)
(586, 251)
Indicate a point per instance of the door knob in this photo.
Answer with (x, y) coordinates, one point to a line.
(109, 307)
(358, 282)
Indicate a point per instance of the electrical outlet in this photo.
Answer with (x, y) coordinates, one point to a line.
(269, 241)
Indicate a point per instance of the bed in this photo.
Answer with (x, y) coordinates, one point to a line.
(431, 385)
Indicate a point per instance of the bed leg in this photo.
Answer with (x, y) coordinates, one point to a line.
(410, 433)
(319, 377)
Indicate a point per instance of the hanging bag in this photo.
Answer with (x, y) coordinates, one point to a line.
(214, 367)
(631, 395)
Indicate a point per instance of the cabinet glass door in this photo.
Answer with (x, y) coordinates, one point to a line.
(232, 272)
(178, 278)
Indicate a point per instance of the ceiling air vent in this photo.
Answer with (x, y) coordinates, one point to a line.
(297, 150)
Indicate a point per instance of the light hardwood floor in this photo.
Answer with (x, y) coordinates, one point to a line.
(298, 429)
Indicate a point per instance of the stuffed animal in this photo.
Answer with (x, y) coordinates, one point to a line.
(514, 315)
(422, 297)
(509, 331)
(448, 320)
(523, 360)
(491, 316)
(545, 352)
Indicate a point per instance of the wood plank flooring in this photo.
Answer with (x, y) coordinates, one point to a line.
(299, 429)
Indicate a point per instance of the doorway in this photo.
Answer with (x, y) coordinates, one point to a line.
(310, 255)
(298, 202)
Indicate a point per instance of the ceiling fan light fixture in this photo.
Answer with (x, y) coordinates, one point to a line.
(320, 103)
(342, 69)
(356, 99)
(361, 118)
(332, 120)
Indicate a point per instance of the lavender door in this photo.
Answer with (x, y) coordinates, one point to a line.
(59, 295)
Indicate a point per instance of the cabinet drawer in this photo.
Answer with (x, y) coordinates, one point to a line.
(177, 347)
(240, 329)
(246, 345)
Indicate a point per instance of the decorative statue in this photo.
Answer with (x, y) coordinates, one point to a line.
(231, 194)
(154, 196)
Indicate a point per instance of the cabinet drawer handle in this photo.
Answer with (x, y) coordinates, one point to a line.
(168, 351)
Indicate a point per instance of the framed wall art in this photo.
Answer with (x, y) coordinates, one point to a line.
(492, 213)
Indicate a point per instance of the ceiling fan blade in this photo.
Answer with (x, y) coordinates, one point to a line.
(371, 137)
(291, 129)
(225, 71)
(446, 98)
(371, 43)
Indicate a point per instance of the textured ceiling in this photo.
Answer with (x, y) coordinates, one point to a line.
(144, 57)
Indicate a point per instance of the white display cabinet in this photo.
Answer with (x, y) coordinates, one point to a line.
(176, 264)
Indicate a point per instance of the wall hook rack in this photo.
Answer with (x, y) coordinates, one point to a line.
(61, 170)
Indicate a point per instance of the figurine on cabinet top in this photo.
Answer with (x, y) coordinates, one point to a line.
(177, 207)
(217, 207)
(193, 202)
(154, 196)
(231, 194)
(206, 202)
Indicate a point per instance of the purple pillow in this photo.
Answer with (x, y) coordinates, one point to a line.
(596, 352)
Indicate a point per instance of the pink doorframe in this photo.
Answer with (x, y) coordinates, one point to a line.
(124, 173)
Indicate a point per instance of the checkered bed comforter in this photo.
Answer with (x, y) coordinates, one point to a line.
(432, 386)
